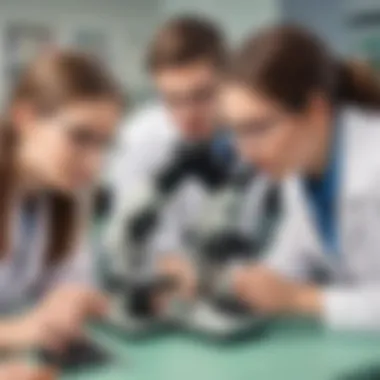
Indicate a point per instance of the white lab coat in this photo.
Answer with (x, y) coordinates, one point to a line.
(353, 298)
(24, 274)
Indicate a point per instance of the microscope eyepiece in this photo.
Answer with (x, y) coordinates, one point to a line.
(194, 160)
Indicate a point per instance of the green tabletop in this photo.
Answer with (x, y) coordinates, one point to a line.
(287, 350)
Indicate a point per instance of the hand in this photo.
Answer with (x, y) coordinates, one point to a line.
(22, 371)
(269, 293)
(182, 270)
(59, 318)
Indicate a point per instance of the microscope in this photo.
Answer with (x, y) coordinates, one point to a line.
(133, 285)
(239, 222)
(238, 228)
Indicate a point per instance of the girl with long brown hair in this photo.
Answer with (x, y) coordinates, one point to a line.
(304, 117)
(57, 125)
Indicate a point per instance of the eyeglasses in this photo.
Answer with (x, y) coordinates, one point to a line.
(195, 97)
(257, 129)
(83, 137)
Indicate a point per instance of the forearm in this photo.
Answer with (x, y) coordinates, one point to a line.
(308, 301)
(14, 333)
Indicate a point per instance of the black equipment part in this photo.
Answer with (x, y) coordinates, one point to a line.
(232, 306)
(79, 354)
(103, 199)
(194, 160)
(142, 224)
(227, 245)
(141, 295)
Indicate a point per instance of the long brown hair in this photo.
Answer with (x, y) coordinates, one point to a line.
(287, 63)
(51, 80)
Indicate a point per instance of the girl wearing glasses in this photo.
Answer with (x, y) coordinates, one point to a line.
(58, 123)
(313, 122)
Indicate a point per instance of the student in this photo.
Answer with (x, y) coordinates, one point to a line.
(60, 118)
(304, 117)
(185, 60)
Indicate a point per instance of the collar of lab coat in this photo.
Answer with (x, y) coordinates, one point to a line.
(359, 177)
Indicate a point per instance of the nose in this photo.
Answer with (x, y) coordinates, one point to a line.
(187, 112)
(92, 164)
(259, 159)
(250, 152)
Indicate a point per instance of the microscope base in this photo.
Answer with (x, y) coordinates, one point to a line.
(202, 319)
(207, 321)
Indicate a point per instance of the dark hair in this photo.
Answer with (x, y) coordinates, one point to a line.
(184, 40)
(51, 80)
(287, 63)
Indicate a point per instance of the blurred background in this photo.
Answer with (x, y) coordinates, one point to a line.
(119, 30)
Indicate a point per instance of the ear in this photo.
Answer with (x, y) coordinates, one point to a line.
(22, 116)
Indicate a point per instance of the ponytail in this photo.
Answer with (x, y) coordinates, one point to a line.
(287, 63)
(358, 84)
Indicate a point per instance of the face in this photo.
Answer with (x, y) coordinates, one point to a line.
(274, 140)
(64, 150)
(189, 92)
